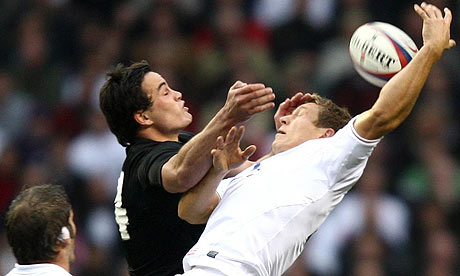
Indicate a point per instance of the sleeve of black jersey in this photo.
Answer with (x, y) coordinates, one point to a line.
(149, 171)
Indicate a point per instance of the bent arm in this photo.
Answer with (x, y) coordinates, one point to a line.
(191, 163)
(398, 96)
(197, 204)
(185, 169)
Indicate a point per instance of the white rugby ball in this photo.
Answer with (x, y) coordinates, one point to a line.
(380, 50)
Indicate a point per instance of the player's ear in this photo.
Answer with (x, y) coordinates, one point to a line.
(329, 132)
(142, 118)
(63, 237)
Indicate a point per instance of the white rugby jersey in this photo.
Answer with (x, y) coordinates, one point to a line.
(38, 270)
(268, 211)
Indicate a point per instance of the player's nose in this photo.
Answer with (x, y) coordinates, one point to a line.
(178, 95)
(284, 120)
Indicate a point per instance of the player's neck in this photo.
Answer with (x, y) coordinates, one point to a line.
(154, 134)
(62, 260)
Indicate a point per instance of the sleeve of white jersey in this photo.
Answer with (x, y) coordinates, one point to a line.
(347, 158)
(222, 187)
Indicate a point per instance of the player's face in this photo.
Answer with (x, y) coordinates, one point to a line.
(168, 111)
(297, 128)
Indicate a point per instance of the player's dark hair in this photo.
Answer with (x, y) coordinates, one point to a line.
(331, 115)
(34, 222)
(121, 96)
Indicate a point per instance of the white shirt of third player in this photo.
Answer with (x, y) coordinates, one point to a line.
(38, 270)
(268, 211)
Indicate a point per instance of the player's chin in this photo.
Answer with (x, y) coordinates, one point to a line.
(187, 119)
(275, 146)
(189, 116)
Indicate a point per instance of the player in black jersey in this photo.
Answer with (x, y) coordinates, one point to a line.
(148, 117)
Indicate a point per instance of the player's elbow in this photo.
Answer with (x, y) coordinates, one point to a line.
(177, 181)
(383, 121)
(184, 179)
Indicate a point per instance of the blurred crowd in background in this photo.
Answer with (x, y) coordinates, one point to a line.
(401, 217)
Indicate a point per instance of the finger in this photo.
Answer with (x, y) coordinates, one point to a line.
(308, 96)
(421, 12)
(237, 84)
(281, 109)
(260, 104)
(284, 104)
(305, 98)
(257, 94)
(248, 152)
(220, 142)
(297, 96)
(436, 11)
(452, 43)
(298, 100)
(239, 134)
(448, 16)
(261, 100)
(261, 108)
(430, 10)
(250, 88)
(230, 135)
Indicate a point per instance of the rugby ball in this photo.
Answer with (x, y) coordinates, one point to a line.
(379, 50)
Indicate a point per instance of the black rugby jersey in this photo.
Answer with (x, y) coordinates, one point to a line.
(154, 238)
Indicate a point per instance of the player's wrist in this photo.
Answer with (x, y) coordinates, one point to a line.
(432, 50)
(218, 172)
(226, 118)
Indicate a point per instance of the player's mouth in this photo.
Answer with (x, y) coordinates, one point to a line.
(184, 107)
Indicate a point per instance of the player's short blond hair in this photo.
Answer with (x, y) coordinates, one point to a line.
(330, 114)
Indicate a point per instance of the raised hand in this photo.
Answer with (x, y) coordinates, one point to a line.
(227, 155)
(436, 27)
(288, 106)
(244, 100)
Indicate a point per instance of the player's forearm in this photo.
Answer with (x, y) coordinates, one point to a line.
(193, 160)
(197, 204)
(399, 95)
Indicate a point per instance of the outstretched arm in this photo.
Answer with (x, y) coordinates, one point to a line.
(191, 163)
(197, 204)
(398, 96)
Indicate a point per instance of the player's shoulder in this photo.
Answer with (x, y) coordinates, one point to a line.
(139, 144)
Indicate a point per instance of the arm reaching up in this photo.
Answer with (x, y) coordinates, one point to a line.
(399, 95)
(197, 204)
(190, 164)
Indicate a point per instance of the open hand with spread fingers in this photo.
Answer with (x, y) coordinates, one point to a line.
(227, 155)
(245, 100)
(436, 27)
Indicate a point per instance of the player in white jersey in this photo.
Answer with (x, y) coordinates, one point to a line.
(41, 231)
(259, 221)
